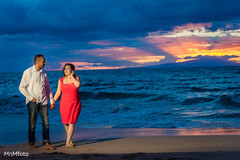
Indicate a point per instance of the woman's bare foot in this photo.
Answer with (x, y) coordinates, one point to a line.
(71, 143)
(69, 146)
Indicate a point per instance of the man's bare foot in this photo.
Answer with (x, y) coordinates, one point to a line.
(32, 146)
(49, 147)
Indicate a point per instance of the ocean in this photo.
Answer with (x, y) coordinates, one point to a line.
(181, 98)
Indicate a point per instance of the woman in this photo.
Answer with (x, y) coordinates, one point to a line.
(70, 104)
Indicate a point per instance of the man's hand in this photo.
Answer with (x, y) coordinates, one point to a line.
(52, 106)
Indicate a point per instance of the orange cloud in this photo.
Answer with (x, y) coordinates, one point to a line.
(90, 66)
(193, 40)
(124, 53)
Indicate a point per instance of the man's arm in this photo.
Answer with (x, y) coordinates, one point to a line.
(49, 92)
(24, 84)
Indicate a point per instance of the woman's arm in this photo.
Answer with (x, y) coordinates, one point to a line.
(76, 80)
(58, 93)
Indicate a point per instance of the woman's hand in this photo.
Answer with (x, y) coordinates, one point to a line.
(72, 73)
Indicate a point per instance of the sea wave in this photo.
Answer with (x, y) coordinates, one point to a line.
(196, 100)
(119, 107)
(230, 100)
(112, 95)
(200, 89)
(163, 97)
(221, 116)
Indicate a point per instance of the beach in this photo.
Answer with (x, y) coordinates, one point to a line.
(121, 143)
(153, 147)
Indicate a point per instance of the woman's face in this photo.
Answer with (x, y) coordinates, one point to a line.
(67, 70)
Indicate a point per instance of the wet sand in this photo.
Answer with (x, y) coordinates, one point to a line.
(154, 147)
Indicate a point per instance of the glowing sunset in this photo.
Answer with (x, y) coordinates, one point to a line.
(190, 41)
(100, 37)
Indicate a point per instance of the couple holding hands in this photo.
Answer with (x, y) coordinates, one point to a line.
(35, 87)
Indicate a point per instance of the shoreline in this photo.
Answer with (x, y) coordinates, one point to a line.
(16, 127)
(122, 143)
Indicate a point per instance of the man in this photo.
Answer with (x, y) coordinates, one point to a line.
(35, 87)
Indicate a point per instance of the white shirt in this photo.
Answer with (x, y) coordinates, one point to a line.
(35, 84)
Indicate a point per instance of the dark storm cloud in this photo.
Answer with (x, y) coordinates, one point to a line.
(95, 19)
(202, 61)
(200, 57)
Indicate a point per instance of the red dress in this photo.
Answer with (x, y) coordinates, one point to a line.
(70, 104)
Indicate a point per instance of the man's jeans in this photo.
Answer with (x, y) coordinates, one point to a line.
(33, 109)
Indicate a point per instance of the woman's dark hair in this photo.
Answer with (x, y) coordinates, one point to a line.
(71, 66)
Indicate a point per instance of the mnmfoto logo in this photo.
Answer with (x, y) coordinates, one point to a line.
(16, 153)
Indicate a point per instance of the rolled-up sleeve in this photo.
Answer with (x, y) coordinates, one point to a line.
(24, 84)
(49, 92)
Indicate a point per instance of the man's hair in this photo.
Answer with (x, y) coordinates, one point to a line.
(37, 57)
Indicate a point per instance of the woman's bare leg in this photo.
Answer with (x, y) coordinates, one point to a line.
(66, 129)
(70, 131)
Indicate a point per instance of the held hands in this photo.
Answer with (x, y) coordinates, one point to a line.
(52, 106)
(34, 100)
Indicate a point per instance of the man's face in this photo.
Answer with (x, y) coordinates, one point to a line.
(41, 62)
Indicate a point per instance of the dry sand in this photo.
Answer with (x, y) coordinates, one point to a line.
(224, 147)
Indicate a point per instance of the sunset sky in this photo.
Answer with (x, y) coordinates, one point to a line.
(113, 34)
